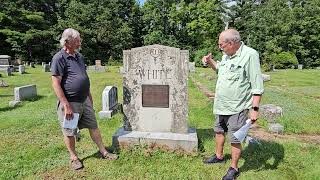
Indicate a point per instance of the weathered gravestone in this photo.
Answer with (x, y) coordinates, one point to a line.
(22, 69)
(270, 112)
(109, 102)
(266, 77)
(5, 60)
(22, 93)
(98, 62)
(155, 99)
(192, 67)
(46, 68)
(275, 128)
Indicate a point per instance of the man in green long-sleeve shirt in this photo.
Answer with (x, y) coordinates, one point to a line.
(238, 94)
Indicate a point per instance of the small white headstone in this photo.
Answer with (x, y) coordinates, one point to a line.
(192, 67)
(109, 102)
(25, 92)
(46, 68)
(300, 66)
(43, 63)
(22, 69)
(266, 77)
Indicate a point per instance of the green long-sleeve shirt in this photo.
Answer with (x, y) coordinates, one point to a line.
(239, 77)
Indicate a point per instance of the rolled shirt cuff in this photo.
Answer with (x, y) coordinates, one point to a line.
(257, 91)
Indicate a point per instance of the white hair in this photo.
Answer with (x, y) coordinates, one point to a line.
(67, 35)
(231, 35)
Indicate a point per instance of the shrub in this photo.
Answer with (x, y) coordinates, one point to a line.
(282, 60)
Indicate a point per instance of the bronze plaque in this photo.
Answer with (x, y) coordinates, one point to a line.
(155, 96)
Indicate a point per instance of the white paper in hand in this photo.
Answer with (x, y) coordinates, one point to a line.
(71, 123)
(243, 131)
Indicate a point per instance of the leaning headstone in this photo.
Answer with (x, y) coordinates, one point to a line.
(3, 84)
(270, 112)
(155, 100)
(275, 128)
(109, 102)
(25, 92)
(300, 66)
(266, 77)
(46, 68)
(22, 69)
(192, 67)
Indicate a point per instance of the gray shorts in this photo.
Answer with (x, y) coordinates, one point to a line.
(230, 124)
(87, 117)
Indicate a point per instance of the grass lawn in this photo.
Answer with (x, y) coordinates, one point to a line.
(296, 91)
(31, 143)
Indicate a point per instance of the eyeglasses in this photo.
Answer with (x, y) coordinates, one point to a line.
(223, 44)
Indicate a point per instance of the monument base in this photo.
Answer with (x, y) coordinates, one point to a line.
(187, 143)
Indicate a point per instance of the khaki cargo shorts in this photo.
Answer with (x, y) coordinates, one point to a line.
(231, 124)
(87, 118)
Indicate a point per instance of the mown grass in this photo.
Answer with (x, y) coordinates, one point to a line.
(296, 91)
(31, 145)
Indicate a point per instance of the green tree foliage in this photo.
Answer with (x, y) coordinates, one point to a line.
(25, 30)
(276, 26)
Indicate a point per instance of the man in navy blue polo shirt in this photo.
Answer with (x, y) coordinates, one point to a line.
(72, 87)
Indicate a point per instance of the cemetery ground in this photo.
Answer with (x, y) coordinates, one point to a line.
(31, 144)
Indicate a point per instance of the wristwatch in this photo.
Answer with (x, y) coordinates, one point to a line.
(255, 108)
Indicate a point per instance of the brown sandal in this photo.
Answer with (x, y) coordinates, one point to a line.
(110, 156)
(76, 164)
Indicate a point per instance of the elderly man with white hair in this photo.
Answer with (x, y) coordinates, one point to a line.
(72, 87)
(238, 93)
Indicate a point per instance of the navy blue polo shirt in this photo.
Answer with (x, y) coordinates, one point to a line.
(75, 81)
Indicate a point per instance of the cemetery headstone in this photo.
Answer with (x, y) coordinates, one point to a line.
(46, 68)
(192, 67)
(5, 60)
(270, 112)
(155, 99)
(266, 77)
(276, 128)
(98, 62)
(43, 63)
(22, 93)
(32, 65)
(25, 92)
(300, 66)
(22, 69)
(109, 102)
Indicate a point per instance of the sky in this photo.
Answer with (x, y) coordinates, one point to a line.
(141, 1)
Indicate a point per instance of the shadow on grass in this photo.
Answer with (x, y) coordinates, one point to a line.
(203, 135)
(265, 156)
(98, 155)
(9, 108)
(5, 95)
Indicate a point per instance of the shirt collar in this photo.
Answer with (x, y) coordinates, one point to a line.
(238, 53)
(68, 56)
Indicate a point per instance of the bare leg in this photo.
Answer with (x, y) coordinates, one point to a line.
(70, 143)
(219, 144)
(235, 154)
(96, 137)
